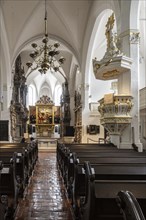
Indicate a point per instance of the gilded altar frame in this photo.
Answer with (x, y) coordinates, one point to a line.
(44, 119)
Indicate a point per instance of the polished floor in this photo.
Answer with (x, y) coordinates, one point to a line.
(45, 198)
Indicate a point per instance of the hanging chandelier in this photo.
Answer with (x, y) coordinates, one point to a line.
(45, 57)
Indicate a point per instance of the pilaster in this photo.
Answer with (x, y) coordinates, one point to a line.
(129, 83)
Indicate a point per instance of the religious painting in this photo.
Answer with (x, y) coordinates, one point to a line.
(32, 114)
(56, 114)
(44, 114)
(93, 129)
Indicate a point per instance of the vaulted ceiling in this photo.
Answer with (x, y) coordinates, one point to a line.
(69, 22)
(24, 24)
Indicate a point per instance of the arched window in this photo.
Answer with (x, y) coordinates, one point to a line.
(58, 93)
(31, 95)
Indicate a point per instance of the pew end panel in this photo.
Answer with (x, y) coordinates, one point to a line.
(100, 198)
(130, 206)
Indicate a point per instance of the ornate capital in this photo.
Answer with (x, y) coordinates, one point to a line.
(134, 37)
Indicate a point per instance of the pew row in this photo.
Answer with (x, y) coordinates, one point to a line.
(65, 151)
(129, 206)
(100, 201)
(108, 163)
(17, 163)
(119, 157)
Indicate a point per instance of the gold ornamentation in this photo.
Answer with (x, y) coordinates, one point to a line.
(116, 116)
(112, 39)
(109, 27)
(113, 62)
(111, 73)
(134, 37)
(44, 100)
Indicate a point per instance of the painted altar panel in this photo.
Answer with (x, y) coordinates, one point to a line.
(32, 114)
(56, 114)
(44, 114)
(44, 119)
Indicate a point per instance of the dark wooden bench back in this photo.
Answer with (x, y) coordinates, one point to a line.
(130, 206)
(100, 198)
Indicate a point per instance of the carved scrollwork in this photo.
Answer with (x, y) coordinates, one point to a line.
(18, 110)
(113, 62)
(134, 37)
(116, 116)
(44, 100)
(77, 99)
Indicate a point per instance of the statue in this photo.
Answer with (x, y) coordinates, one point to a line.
(109, 29)
(112, 48)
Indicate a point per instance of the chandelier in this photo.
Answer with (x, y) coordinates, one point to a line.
(45, 57)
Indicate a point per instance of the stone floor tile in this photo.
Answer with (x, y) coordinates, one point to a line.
(45, 197)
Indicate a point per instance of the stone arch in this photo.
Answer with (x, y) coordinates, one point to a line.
(6, 71)
(96, 17)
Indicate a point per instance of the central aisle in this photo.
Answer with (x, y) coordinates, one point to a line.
(45, 197)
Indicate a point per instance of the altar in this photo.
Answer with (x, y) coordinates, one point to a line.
(45, 119)
(47, 144)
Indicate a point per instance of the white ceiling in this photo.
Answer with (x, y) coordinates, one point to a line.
(24, 23)
(68, 23)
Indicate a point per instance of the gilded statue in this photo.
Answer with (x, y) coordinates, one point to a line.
(112, 48)
(109, 29)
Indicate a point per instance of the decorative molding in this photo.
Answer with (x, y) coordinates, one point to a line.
(133, 34)
(115, 115)
(134, 37)
(44, 100)
(84, 86)
(114, 62)
(142, 96)
(78, 117)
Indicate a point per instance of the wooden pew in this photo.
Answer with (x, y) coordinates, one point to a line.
(69, 148)
(98, 157)
(31, 152)
(2, 211)
(32, 149)
(72, 165)
(129, 206)
(101, 193)
(17, 163)
(28, 150)
(3, 208)
(1, 164)
(65, 151)
(95, 154)
(10, 189)
(23, 164)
